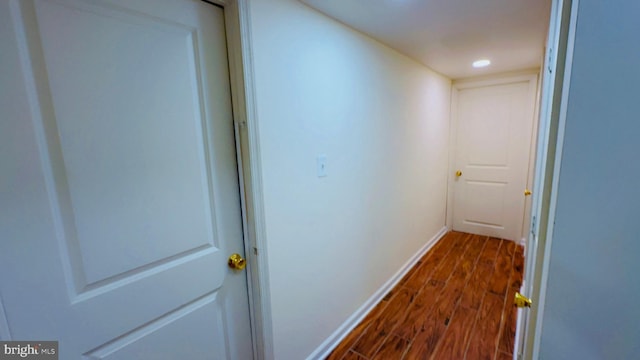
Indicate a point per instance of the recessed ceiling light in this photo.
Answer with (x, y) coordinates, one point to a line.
(481, 63)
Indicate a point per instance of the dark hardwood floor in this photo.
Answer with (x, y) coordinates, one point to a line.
(456, 303)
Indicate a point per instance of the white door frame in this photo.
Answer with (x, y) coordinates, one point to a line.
(239, 52)
(531, 76)
(555, 89)
(237, 22)
(249, 164)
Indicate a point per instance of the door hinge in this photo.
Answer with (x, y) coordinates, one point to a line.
(533, 226)
(521, 301)
(549, 67)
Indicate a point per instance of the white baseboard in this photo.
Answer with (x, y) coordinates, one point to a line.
(334, 340)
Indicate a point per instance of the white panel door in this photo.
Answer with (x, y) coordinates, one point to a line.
(493, 139)
(120, 197)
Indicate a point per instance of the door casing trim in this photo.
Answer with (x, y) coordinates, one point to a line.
(241, 72)
(533, 331)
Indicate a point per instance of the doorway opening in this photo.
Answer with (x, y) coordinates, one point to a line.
(534, 186)
(493, 131)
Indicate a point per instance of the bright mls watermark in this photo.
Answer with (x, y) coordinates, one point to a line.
(29, 350)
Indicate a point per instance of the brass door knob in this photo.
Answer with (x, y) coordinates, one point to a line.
(521, 301)
(527, 192)
(237, 262)
(458, 173)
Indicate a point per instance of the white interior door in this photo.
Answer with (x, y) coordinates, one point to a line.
(494, 124)
(120, 198)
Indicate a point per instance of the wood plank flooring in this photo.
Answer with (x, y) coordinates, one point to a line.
(456, 303)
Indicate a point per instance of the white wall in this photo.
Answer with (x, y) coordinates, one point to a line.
(593, 298)
(382, 120)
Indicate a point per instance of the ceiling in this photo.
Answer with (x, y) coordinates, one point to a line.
(448, 35)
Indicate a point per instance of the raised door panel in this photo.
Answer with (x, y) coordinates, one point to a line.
(485, 204)
(485, 123)
(165, 337)
(127, 110)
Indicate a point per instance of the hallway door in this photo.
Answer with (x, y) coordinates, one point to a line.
(493, 132)
(120, 198)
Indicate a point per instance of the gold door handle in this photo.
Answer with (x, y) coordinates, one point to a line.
(458, 173)
(237, 262)
(527, 192)
(521, 301)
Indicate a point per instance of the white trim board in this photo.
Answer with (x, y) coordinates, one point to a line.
(533, 153)
(250, 166)
(241, 70)
(544, 273)
(507, 74)
(341, 333)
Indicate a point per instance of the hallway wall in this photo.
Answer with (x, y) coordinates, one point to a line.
(591, 309)
(382, 121)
